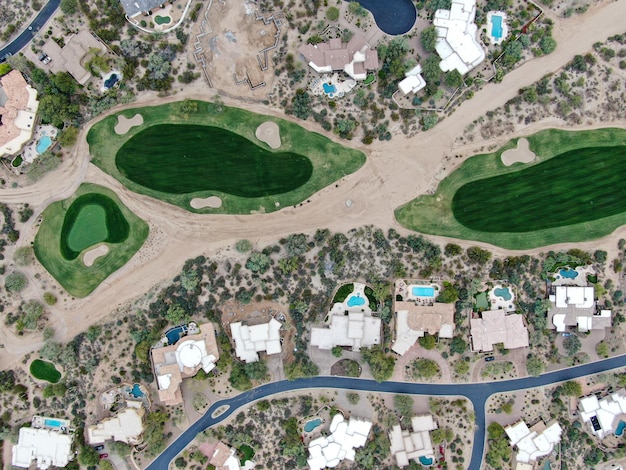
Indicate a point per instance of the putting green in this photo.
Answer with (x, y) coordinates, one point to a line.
(180, 161)
(44, 370)
(195, 150)
(571, 192)
(64, 235)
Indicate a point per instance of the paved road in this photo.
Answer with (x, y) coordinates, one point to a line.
(478, 393)
(19, 42)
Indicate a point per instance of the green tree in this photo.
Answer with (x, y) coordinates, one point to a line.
(458, 345)
(238, 377)
(381, 365)
(243, 246)
(256, 370)
(49, 298)
(48, 333)
(425, 368)
(461, 367)
(477, 255)
(32, 313)
(547, 44)
(453, 79)
(301, 103)
(15, 282)
(429, 120)
(602, 349)
(403, 405)
(332, 13)
(449, 294)
(258, 262)
(189, 279)
(428, 37)
(534, 365)
(69, 7)
(153, 435)
(88, 456)
(23, 256)
(572, 344)
(176, 314)
(571, 388)
(427, 341)
(68, 137)
(337, 351)
(353, 398)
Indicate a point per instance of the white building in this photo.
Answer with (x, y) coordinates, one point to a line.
(603, 416)
(48, 442)
(407, 446)
(576, 306)
(457, 42)
(251, 340)
(413, 81)
(126, 426)
(329, 451)
(533, 443)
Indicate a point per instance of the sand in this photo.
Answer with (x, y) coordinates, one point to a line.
(393, 174)
(200, 203)
(269, 133)
(92, 255)
(125, 124)
(521, 154)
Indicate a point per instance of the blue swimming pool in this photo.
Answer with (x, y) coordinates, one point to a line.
(568, 273)
(620, 428)
(174, 334)
(136, 391)
(44, 144)
(503, 292)
(496, 26)
(356, 300)
(52, 423)
(311, 425)
(423, 291)
(329, 88)
(426, 460)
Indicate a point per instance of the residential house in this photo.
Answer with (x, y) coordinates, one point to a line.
(576, 306)
(415, 319)
(605, 416)
(136, 7)
(413, 81)
(224, 457)
(533, 443)
(415, 445)
(251, 340)
(18, 111)
(48, 442)
(125, 426)
(496, 327)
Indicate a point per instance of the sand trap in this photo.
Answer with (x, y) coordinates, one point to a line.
(200, 203)
(124, 124)
(92, 255)
(521, 154)
(269, 133)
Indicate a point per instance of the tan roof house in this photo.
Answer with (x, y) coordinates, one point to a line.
(18, 109)
(183, 359)
(355, 57)
(126, 426)
(415, 319)
(495, 327)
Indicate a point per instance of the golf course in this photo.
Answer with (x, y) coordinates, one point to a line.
(570, 192)
(190, 150)
(70, 229)
(44, 370)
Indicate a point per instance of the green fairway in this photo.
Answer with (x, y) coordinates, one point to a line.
(44, 370)
(180, 161)
(177, 155)
(65, 229)
(570, 192)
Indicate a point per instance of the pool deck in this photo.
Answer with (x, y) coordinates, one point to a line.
(580, 280)
(29, 152)
(499, 303)
(341, 87)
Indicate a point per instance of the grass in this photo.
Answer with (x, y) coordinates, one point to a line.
(78, 279)
(247, 453)
(557, 198)
(232, 164)
(343, 292)
(329, 161)
(44, 370)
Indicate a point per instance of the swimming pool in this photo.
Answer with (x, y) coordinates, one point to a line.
(44, 144)
(53, 423)
(568, 273)
(329, 88)
(112, 80)
(136, 391)
(311, 425)
(620, 428)
(423, 291)
(356, 300)
(174, 334)
(503, 292)
(496, 26)
(426, 460)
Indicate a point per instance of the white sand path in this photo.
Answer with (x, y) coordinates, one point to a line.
(395, 173)
(269, 133)
(92, 255)
(520, 154)
(125, 124)
(212, 202)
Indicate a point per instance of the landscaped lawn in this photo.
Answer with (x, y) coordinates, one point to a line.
(125, 233)
(231, 164)
(177, 156)
(571, 192)
(44, 370)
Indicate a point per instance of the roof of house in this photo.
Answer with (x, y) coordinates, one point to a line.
(328, 451)
(70, 57)
(46, 446)
(224, 458)
(603, 415)
(534, 443)
(135, 7)
(17, 112)
(413, 320)
(250, 340)
(407, 445)
(126, 426)
(496, 327)
(356, 330)
(355, 57)
(576, 306)
(183, 359)
(456, 37)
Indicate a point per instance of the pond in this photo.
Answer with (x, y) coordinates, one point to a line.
(394, 17)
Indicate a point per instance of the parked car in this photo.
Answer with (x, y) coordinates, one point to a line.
(490, 358)
(565, 335)
(100, 447)
(103, 456)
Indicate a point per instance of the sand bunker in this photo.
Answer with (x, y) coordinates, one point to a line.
(269, 133)
(521, 154)
(200, 203)
(124, 124)
(92, 255)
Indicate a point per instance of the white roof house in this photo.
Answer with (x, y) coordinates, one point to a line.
(126, 426)
(407, 446)
(533, 443)
(251, 340)
(356, 330)
(48, 442)
(413, 81)
(457, 44)
(603, 415)
(576, 306)
(329, 451)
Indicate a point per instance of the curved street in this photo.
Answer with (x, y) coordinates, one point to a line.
(476, 393)
(25, 36)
